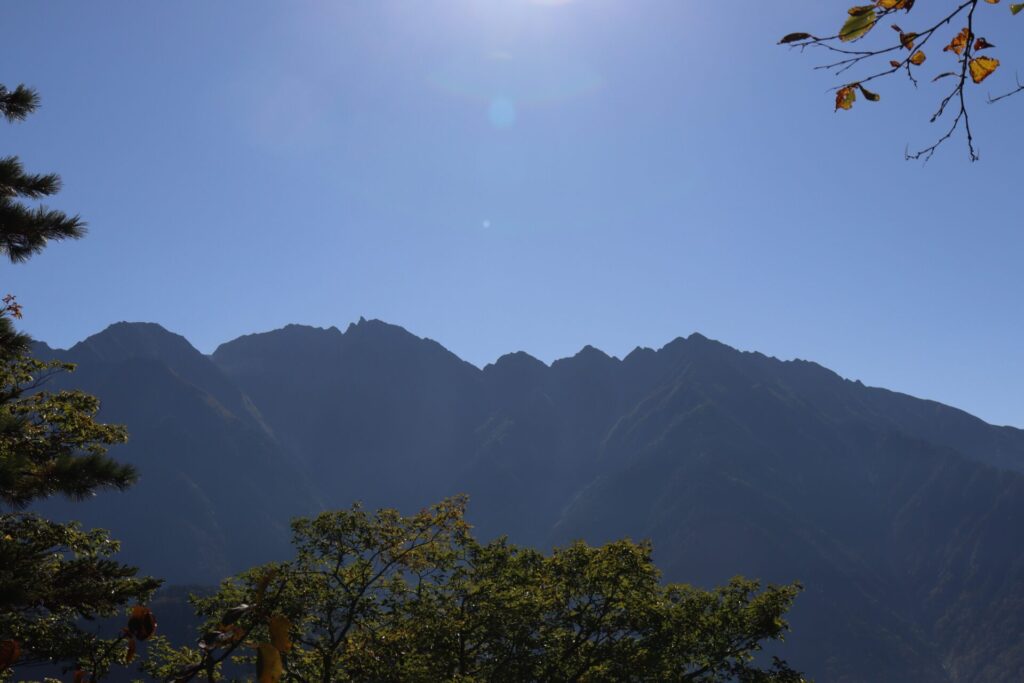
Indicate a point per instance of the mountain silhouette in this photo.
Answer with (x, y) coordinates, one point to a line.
(899, 515)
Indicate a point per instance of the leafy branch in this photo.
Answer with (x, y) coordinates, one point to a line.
(906, 54)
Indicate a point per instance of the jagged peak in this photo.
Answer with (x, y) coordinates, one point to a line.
(375, 325)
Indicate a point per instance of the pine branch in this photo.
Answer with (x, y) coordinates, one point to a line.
(17, 104)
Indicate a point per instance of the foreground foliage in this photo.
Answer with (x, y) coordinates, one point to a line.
(948, 35)
(54, 578)
(390, 598)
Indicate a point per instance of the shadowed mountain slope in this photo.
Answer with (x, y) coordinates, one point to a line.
(898, 514)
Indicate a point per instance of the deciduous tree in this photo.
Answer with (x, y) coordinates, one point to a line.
(390, 598)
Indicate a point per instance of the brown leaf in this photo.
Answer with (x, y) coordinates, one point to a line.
(10, 650)
(141, 622)
(794, 37)
(982, 44)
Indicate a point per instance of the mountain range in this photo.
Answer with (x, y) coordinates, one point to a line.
(900, 516)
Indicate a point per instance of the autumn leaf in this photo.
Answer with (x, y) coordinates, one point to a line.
(959, 42)
(896, 4)
(278, 626)
(268, 664)
(917, 59)
(982, 44)
(982, 68)
(794, 37)
(861, 20)
(845, 97)
(141, 623)
(10, 650)
(870, 96)
(1017, 7)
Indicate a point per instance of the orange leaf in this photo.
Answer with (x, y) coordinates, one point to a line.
(959, 42)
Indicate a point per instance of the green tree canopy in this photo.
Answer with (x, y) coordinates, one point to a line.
(385, 597)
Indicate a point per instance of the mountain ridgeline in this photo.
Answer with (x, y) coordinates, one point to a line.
(900, 516)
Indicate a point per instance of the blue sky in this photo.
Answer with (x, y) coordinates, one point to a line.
(513, 174)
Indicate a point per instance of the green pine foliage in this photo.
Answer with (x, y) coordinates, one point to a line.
(25, 230)
(54, 578)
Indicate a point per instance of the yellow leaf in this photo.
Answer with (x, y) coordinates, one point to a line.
(982, 68)
(845, 97)
(268, 664)
(279, 626)
(917, 59)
